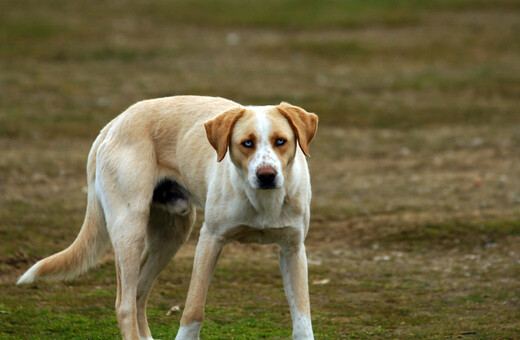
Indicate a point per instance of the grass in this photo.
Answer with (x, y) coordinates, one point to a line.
(416, 195)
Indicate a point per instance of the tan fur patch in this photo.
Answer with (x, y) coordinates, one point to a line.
(218, 130)
(304, 124)
(243, 131)
(281, 128)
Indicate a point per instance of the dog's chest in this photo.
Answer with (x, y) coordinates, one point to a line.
(265, 209)
(264, 215)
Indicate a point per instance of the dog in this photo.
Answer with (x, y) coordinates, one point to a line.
(153, 164)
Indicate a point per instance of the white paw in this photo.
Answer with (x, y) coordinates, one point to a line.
(189, 332)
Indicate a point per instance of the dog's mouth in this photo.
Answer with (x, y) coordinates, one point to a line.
(268, 186)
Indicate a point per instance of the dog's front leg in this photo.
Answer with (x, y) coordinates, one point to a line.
(293, 264)
(206, 256)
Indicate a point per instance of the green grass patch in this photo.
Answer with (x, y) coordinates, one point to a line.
(308, 14)
(454, 234)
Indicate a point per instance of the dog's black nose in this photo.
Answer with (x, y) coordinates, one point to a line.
(266, 176)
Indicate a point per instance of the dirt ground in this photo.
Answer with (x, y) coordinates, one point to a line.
(415, 229)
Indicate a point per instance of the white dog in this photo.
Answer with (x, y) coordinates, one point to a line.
(149, 167)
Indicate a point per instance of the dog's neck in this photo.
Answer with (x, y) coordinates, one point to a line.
(266, 203)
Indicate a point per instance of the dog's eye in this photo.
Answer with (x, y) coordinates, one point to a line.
(280, 142)
(248, 144)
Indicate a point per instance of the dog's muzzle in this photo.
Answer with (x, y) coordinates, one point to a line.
(266, 177)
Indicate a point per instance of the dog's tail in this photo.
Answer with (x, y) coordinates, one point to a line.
(90, 244)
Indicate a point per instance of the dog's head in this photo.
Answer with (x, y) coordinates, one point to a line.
(262, 140)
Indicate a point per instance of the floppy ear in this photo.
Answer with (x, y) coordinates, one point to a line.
(303, 123)
(218, 130)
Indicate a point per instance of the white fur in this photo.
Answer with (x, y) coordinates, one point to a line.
(264, 155)
(189, 332)
(29, 275)
(302, 326)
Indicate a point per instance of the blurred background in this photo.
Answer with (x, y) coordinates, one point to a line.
(416, 177)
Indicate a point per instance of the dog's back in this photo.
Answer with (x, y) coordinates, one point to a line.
(149, 119)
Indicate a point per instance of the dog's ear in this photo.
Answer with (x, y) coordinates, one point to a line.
(303, 123)
(218, 130)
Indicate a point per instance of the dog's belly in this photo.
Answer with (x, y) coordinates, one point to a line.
(246, 234)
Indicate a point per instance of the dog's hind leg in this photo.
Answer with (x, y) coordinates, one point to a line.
(125, 181)
(127, 231)
(166, 233)
(128, 247)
